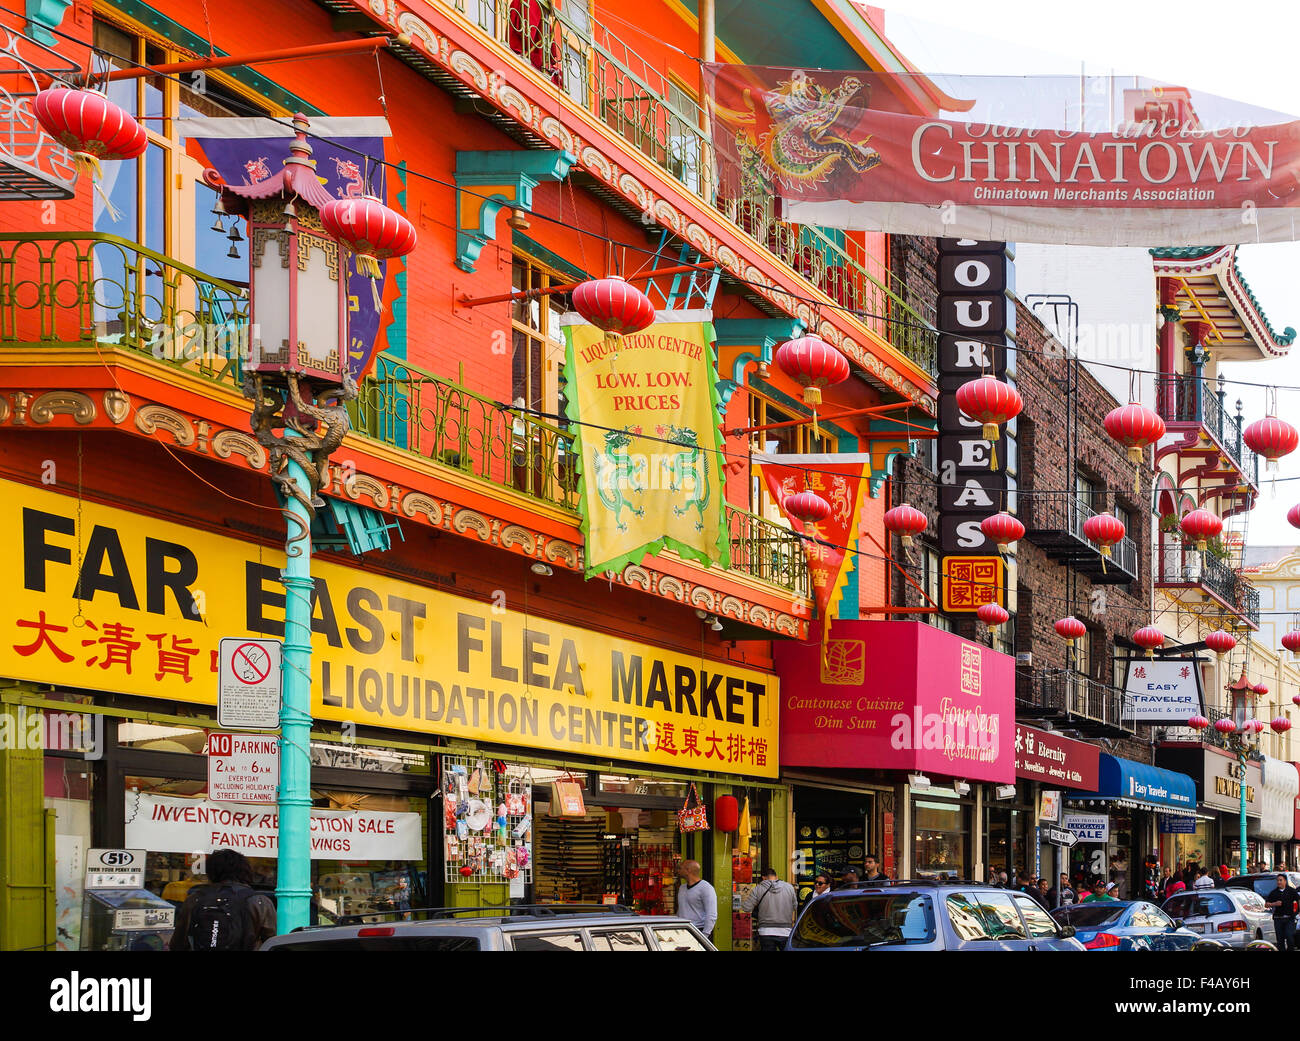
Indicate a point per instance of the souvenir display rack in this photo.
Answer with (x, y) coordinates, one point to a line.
(487, 821)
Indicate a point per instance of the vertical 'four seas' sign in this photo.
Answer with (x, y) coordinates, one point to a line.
(975, 321)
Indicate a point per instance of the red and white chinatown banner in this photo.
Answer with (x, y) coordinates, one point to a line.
(826, 145)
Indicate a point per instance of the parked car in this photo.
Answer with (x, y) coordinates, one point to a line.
(1235, 916)
(539, 927)
(1125, 925)
(1262, 883)
(927, 915)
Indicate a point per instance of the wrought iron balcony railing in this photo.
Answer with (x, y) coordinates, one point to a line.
(1186, 399)
(87, 289)
(32, 164)
(1208, 736)
(1183, 565)
(1066, 693)
(600, 72)
(1055, 520)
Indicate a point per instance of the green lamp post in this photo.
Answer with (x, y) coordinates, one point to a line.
(297, 377)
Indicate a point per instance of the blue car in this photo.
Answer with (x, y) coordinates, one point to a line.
(1125, 925)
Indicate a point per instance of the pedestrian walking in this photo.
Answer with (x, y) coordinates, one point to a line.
(1285, 903)
(226, 914)
(773, 903)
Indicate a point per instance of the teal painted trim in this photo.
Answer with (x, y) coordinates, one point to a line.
(878, 477)
(765, 333)
(182, 37)
(396, 332)
(851, 599)
(44, 15)
(522, 168)
(551, 259)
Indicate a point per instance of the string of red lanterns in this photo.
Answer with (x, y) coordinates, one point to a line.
(992, 615)
(613, 306)
(1135, 427)
(1069, 629)
(990, 402)
(1201, 525)
(905, 520)
(1002, 528)
(806, 506)
(1105, 529)
(1149, 637)
(1272, 438)
(814, 364)
(1220, 642)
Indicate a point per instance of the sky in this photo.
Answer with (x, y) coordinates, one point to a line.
(1244, 50)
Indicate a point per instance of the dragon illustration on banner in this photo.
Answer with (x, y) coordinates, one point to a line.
(798, 133)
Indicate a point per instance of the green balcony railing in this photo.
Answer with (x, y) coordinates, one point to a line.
(86, 288)
(600, 72)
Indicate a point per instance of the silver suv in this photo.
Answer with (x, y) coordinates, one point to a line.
(536, 927)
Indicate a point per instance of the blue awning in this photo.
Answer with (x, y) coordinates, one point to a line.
(1126, 783)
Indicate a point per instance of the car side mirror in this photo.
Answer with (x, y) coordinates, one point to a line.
(1067, 931)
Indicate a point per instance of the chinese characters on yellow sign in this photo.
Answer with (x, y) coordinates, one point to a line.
(970, 582)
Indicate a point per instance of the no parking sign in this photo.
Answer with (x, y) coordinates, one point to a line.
(249, 684)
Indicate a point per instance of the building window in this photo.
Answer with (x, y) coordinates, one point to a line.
(795, 439)
(537, 341)
(932, 583)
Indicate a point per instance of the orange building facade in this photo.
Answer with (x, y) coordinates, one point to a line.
(531, 144)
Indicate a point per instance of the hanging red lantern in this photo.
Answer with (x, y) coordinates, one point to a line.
(1260, 689)
(1296, 700)
(1198, 722)
(1293, 516)
(1069, 629)
(1220, 642)
(992, 615)
(807, 507)
(814, 364)
(1105, 529)
(1272, 438)
(1225, 726)
(905, 520)
(1003, 529)
(372, 231)
(1201, 525)
(1291, 641)
(990, 402)
(93, 129)
(726, 813)
(1150, 637)
(615, 307)
(1280, 725)
(1134, 426)
(1257, 725)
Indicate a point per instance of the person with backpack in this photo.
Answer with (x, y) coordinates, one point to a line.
(773, 903)
(226, 914)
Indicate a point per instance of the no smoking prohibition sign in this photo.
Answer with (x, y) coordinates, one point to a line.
(249, 684)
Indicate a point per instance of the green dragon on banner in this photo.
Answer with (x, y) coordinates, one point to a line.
(688, 471)
(617, 473)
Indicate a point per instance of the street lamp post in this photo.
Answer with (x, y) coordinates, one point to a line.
(1241, 741)
(297, 377)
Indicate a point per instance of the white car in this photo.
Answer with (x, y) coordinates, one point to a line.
(1235, 916)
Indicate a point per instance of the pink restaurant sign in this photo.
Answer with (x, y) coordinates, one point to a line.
(898, 696)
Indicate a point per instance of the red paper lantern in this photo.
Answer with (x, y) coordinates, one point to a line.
(726, 813)
(1221, 642)
(1134, 426)
(1272, 438)
(1198, 722)
(990, 402)
(1293, 516)
(1201, 525)
(614, 306)
(905, 520)
(1003, 529)
(1257, 725)
(1069, 629)
(807, 506)
(1224, 726)
(92, 128)
(1291, 641)
(372, 231)
(1296, 699)
(813, 364)
(1105, 529)
(992, 615)
(1280, 725)
(1260, 689)
(1150, 637)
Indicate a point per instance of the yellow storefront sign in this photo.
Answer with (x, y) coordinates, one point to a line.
(156, 597)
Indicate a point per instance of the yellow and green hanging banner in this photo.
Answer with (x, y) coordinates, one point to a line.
(645, 413)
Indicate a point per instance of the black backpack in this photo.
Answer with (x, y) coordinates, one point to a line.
(220, 919)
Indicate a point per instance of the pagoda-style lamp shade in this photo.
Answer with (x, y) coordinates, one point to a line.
(298, 281)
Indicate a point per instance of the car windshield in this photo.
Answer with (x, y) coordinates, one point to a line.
(865, 919)
(1086, 916)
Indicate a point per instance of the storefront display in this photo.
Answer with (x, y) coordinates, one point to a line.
(941, 823)
(487, 822)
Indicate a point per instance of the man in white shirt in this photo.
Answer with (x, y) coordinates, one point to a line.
(696, 900)
(1203, 880)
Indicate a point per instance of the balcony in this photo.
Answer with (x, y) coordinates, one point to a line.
(1054, 521)
(1181, 567)
(598, 71)
(32, 164)
(1072, 702)
(1187, 403)
(1209, 736)
(69, 290)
